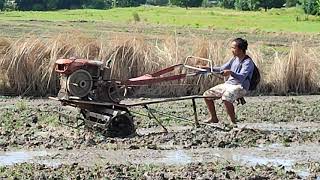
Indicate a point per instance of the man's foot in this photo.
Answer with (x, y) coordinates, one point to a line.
(210, 120)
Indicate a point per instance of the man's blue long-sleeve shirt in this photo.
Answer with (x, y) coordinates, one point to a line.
(241, 71)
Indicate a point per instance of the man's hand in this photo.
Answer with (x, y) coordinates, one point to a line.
(203, 67)
(226, 72)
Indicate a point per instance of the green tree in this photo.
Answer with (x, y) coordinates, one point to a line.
(241, 5)
(2, 2)
(158, 2)
(311, 6)
(187, 3)
(291, 3)
(52, 4)
(97, 4)
(267, 4)
(318, 7)
(69, 4)
(24, 5)
(38, 7)
(226, 3)
(253, 4)
(128, 3)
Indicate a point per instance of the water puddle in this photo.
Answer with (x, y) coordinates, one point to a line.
(280, 127)
(256, 160)
(11, 158)
(288, 164)
(274, 145)
(271, 155)
(178, 157)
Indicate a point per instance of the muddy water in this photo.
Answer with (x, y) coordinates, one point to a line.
(10, 158)
(274, 155)
(278, 127)
(292, 126)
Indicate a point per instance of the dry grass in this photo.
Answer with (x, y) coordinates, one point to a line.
(297, 72)
(27, 63)
(129, 57)
(255, 53)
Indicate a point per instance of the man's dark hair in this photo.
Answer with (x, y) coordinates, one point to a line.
(241, 43)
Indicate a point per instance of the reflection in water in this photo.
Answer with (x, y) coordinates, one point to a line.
(177, 157)
(287, 164)
(254, 160)
(182, 157)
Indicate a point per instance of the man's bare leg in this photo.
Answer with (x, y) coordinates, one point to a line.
(212, 111)
(230, 110)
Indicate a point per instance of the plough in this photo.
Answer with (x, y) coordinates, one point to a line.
(87, 85)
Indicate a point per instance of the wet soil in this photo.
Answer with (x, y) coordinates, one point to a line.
(276, 137)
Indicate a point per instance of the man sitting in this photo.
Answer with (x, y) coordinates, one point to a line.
(239, 69)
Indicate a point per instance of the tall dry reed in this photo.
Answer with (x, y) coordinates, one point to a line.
(27, 64)
(297, 72)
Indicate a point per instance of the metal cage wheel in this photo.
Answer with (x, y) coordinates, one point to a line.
(120, 126)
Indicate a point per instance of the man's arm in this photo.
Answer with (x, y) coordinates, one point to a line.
(226, 65)
(246, 68)
(221, 68)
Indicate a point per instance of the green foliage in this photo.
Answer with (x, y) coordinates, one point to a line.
(187, 3)
(226, 3)
(98, 4)
(40, 5)
(246, 5)
(136, 16)
(158, 2)
(8, 5)
(52, 4)
(310, 6)
(129, 3)
(241, 5)
(2, 3)
(69, 4)
(21, 105)
(205, 3)
(268, 4)
(291, 3)
(251, 4)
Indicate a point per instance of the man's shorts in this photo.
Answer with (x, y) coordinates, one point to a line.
(227, 92)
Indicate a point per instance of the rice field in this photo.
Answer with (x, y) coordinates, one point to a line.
(274, 20)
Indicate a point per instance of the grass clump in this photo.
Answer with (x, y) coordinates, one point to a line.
(297, 72)
(136, 17)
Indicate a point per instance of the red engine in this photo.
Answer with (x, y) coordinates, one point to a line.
(87, 80)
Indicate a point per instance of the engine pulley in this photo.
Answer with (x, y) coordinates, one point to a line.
(79, 83)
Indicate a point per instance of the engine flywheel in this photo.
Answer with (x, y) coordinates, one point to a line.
(79, 83)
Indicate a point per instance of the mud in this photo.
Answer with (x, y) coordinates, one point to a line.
(276, 137)
(284, 162)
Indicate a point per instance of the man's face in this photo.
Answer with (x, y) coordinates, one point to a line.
(235, 49)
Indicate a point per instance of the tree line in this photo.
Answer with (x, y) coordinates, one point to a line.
(47, 5)
(309, 6)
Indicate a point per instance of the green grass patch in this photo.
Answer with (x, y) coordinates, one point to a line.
(274, 20)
